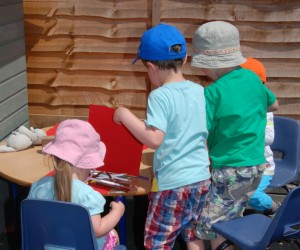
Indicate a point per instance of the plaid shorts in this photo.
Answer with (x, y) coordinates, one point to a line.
(228, 197)
(174, 212)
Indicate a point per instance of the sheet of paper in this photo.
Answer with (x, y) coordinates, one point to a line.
(124, 151)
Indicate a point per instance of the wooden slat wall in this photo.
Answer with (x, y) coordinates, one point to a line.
(269, 31)
(13, 84)
(80, 52)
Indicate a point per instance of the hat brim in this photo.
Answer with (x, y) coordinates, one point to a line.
(88, 161)
(217, 61)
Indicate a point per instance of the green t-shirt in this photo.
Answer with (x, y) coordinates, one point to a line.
(236, 107)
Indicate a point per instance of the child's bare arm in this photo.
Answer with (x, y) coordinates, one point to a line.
(274, 107)
(149, 136)
(104, 225)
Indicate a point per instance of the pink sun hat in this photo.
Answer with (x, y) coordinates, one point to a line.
(78, 143)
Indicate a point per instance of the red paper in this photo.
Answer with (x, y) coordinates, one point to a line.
(123, 150)
(52, 131)
(51, 173)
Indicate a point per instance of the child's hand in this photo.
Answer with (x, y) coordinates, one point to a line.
(118, 113)
(117, 207)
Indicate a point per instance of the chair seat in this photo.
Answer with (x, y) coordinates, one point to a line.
(247, 232)
(257, 231)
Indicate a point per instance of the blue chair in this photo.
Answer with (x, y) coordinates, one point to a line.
(257, 231)
(56, 225)
(286, 149)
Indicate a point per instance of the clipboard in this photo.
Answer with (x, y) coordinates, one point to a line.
(123, 150)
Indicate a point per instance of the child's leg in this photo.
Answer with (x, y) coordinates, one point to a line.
(111, 240)
(227, 198)
(195, 245)
(171, 212)
(260, 200)
(197, 195)
(158, 233)
(218, 241)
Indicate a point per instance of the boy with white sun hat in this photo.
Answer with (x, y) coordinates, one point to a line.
(236, 107)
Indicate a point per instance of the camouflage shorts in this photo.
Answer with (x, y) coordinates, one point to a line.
(230, 191)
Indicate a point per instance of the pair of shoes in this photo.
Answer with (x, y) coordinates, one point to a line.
(273, 209)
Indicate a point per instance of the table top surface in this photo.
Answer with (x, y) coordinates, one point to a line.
(29, 165)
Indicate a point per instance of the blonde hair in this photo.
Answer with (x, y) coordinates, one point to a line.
(62, 179)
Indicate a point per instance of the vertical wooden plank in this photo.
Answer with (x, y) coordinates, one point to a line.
(155, 12)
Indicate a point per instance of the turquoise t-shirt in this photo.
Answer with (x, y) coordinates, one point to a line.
(236, 107)
(81, 194)
(178, 109)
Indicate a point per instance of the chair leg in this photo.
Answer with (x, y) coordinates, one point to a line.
(298, 244)
(224, 245)
(284, 243)
(122, 225)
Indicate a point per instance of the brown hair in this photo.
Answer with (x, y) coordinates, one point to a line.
(62, 179)
(169, 64)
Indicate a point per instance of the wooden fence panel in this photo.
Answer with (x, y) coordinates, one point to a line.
(269, 31)
(81, 52)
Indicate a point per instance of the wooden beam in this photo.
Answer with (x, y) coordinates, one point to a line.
(155, 12)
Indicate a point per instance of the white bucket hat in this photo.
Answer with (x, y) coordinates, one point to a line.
(216, 45)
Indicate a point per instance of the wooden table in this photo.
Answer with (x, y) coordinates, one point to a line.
(29, 165)
(140, 186)
(24, 167)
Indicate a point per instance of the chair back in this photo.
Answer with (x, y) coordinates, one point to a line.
(286, 149)
(48, 224)
(286, 222)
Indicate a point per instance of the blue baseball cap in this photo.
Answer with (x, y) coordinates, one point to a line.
(156, 44)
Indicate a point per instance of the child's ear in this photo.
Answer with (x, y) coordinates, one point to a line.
(185, 59)
(148, 64)
(151, 66)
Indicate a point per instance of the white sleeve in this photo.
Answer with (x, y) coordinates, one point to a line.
(269, 132)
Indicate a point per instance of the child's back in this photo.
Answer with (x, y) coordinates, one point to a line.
(176, 127)
(260, 200)
(75, 150)
(236, 117)
(236, 107)
(178, 109)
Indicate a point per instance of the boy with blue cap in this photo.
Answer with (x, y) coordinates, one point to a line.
(175, 127)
